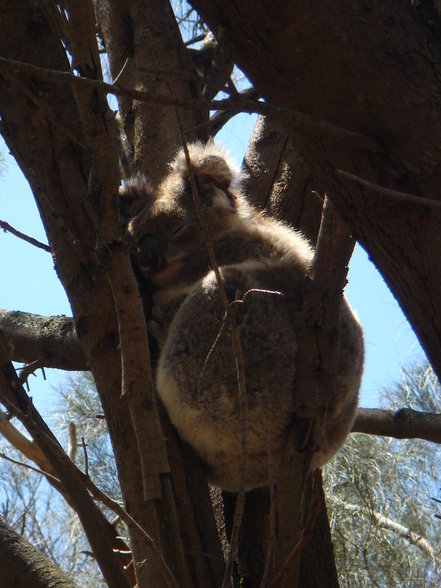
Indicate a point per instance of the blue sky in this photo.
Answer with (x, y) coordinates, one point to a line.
(29, 283)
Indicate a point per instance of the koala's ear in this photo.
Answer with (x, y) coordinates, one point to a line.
(135, 195)
(210, 165)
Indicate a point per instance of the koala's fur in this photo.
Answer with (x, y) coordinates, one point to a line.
(263, 264)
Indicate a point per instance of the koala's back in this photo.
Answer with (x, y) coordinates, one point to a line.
(197, 376)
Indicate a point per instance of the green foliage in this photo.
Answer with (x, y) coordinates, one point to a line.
(78, 403)
(379, 493)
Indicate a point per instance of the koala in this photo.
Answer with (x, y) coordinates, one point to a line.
(263, 264)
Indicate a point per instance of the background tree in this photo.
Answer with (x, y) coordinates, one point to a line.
(379, 493)
(339, 110)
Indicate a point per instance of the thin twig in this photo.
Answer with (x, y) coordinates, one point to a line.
(86, 457)
(298, 120)
(29, 467)
(121, 71)
(393, 194)
(7, 227)
(30, 369)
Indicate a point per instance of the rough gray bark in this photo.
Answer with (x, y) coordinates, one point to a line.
(404, 423)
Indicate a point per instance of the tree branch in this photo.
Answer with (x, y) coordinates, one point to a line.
(297, 119)
(393, 194)
(404, 423)
(22, 565)
(319, 319)
(50, 340)
(7, 227)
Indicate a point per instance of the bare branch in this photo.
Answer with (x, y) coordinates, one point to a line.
(297, 119)
(24, 445)
(52, 341)
(220, 119)
(405, 423)
(319, 319)
(27, 466)
(7, 227)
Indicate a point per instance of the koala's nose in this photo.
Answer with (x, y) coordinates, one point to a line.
(150, 254)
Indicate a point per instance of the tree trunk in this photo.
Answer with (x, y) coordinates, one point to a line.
(63, 141)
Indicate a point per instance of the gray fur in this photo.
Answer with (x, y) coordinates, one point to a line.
(263, 264)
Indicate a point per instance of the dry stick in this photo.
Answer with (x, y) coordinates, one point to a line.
(86, 456)
(272, 490)
(29, 467)
(238, 356)
(30, 369)
(7, 227)
(296, 119)
(393, 194)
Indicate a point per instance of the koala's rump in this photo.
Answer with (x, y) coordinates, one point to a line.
(197, 375)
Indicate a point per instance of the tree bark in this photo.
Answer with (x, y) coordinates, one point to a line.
(142, 38)
(50, 341)
(64, 142)
(277, 179)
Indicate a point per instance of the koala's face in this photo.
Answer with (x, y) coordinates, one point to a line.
(166, 232)
(165, 235)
